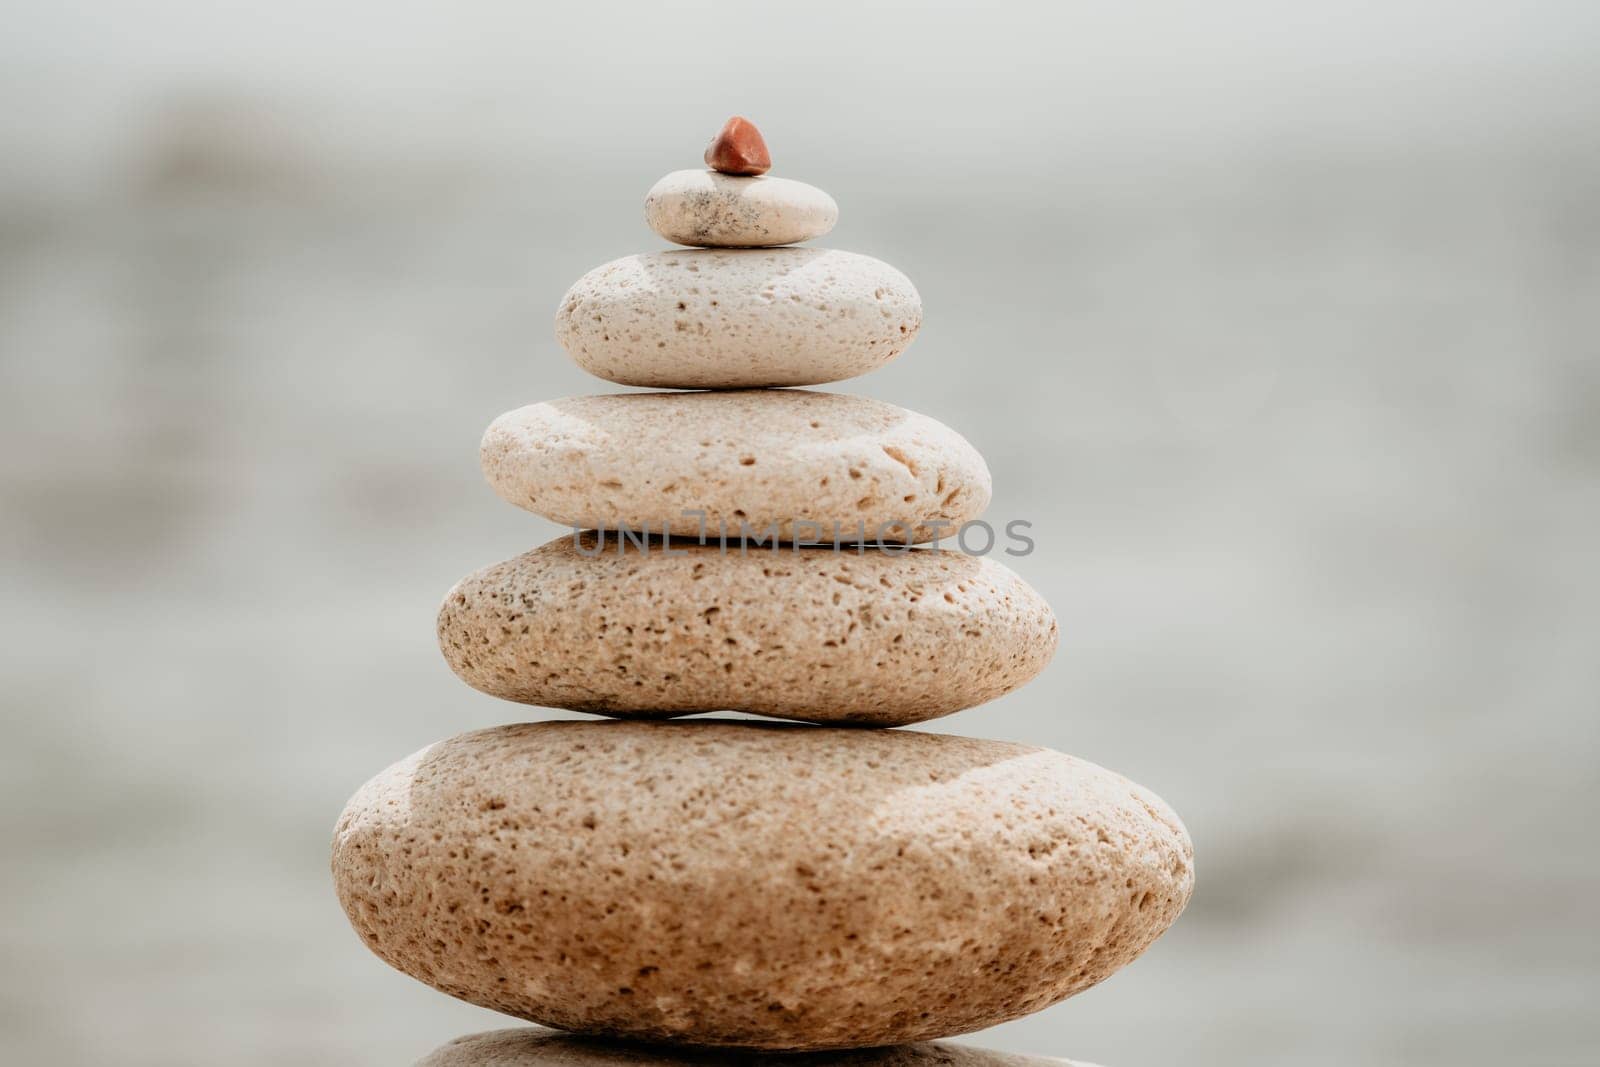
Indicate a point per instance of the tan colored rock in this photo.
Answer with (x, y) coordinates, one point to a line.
(712, 210)
(753, 884)
(534, 1046)
(758, 459)
(878, 638)
(738, 319)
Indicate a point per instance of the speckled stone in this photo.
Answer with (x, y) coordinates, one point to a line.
(712, 210)
(761, 458)
(719, 320)
(534, 1046)
(756, 885)
(878, 638)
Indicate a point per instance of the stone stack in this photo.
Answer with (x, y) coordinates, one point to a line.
(746, 548)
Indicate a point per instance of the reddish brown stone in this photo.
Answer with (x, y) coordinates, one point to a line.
(739, 149)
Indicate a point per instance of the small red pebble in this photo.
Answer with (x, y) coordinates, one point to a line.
(739, 149)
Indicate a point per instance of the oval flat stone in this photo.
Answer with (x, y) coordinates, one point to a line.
(741, 319)
(714, 210)
(535, 1046)
(766, 461)
(824, 635)
(755, 884)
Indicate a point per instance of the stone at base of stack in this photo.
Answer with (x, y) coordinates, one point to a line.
(537, 1047)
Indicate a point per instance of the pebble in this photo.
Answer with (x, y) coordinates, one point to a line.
(738, 148)
(738, 319)
(535, 1046)
(707, 208)
(756, 885)
(765, 461)
(816, 634)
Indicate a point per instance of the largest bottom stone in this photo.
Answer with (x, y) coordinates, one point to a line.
(533, 1047)
(756, 885)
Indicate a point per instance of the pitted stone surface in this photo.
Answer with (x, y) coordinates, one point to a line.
(713, 210)
(754, 884)
(765, 459)
(876, 638)
(726, 319)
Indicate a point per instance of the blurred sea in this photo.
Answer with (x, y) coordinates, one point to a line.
(1281, 325)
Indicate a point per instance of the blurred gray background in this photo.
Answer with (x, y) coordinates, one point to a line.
(1281, 322)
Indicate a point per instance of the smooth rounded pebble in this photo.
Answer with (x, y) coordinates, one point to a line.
(759, 460)
(597, 624)
(534, 1046)
(738, 148)
(756, 885)
(713, 210)
(720, 320)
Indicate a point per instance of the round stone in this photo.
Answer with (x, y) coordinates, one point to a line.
(714, 210)
(756, 885)
(738, 148)
(742, 319)
(785, 463)
(535, 1046)
(883, 638)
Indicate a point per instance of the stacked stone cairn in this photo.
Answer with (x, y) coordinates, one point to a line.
(739, 884)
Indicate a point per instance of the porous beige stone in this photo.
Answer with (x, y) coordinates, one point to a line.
(721, 320)
(714, 210)
(756, 460)
(535, 1046)
(881, 638)
(756, 885)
